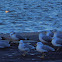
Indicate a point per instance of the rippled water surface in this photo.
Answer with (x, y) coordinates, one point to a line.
(30, 15)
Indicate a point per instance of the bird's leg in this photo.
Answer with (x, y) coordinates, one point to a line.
(43, 55)
(58, 48)
(24, 54)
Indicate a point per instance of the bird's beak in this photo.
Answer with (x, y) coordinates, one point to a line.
(51, 41)
(35, 44)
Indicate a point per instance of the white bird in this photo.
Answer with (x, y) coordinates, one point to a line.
(23, 47)
(43, 48)
(16, 36)
(44, 38)
(50, 33)
(56, 41)
(4, 43)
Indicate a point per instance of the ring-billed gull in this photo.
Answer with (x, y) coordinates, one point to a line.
(57, 42)
(4, 43)
(24, 47)
(16, 36)
(44, 38)
(43, 48)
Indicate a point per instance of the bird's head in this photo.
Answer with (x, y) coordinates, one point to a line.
(41, 34)
(39, 43)
(12, 33)
(21, 42)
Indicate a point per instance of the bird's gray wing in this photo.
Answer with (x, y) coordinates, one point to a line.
(50, 33)
(48, 48)
(26, 48)
(59, 41)
(20, 37)
(47, 38)
(29, 46)
(59, 34)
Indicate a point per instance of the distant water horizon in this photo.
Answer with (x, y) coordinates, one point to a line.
(30, 15)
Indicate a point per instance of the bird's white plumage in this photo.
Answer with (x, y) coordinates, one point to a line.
(16, 36)
(40, 37)
(13, 36)
(57, 38)
(44, 38)
(24, 47)
(56, 41)
(43, 48)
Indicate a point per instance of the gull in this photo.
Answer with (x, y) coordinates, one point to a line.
(57, 42)
(4, 43)
(25, 48)
(44, 38)
(16, 36)
(43, 48)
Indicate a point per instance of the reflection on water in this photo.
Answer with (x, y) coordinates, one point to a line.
(29, 16)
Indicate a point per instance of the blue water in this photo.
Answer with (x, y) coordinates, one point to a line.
(30, 15)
